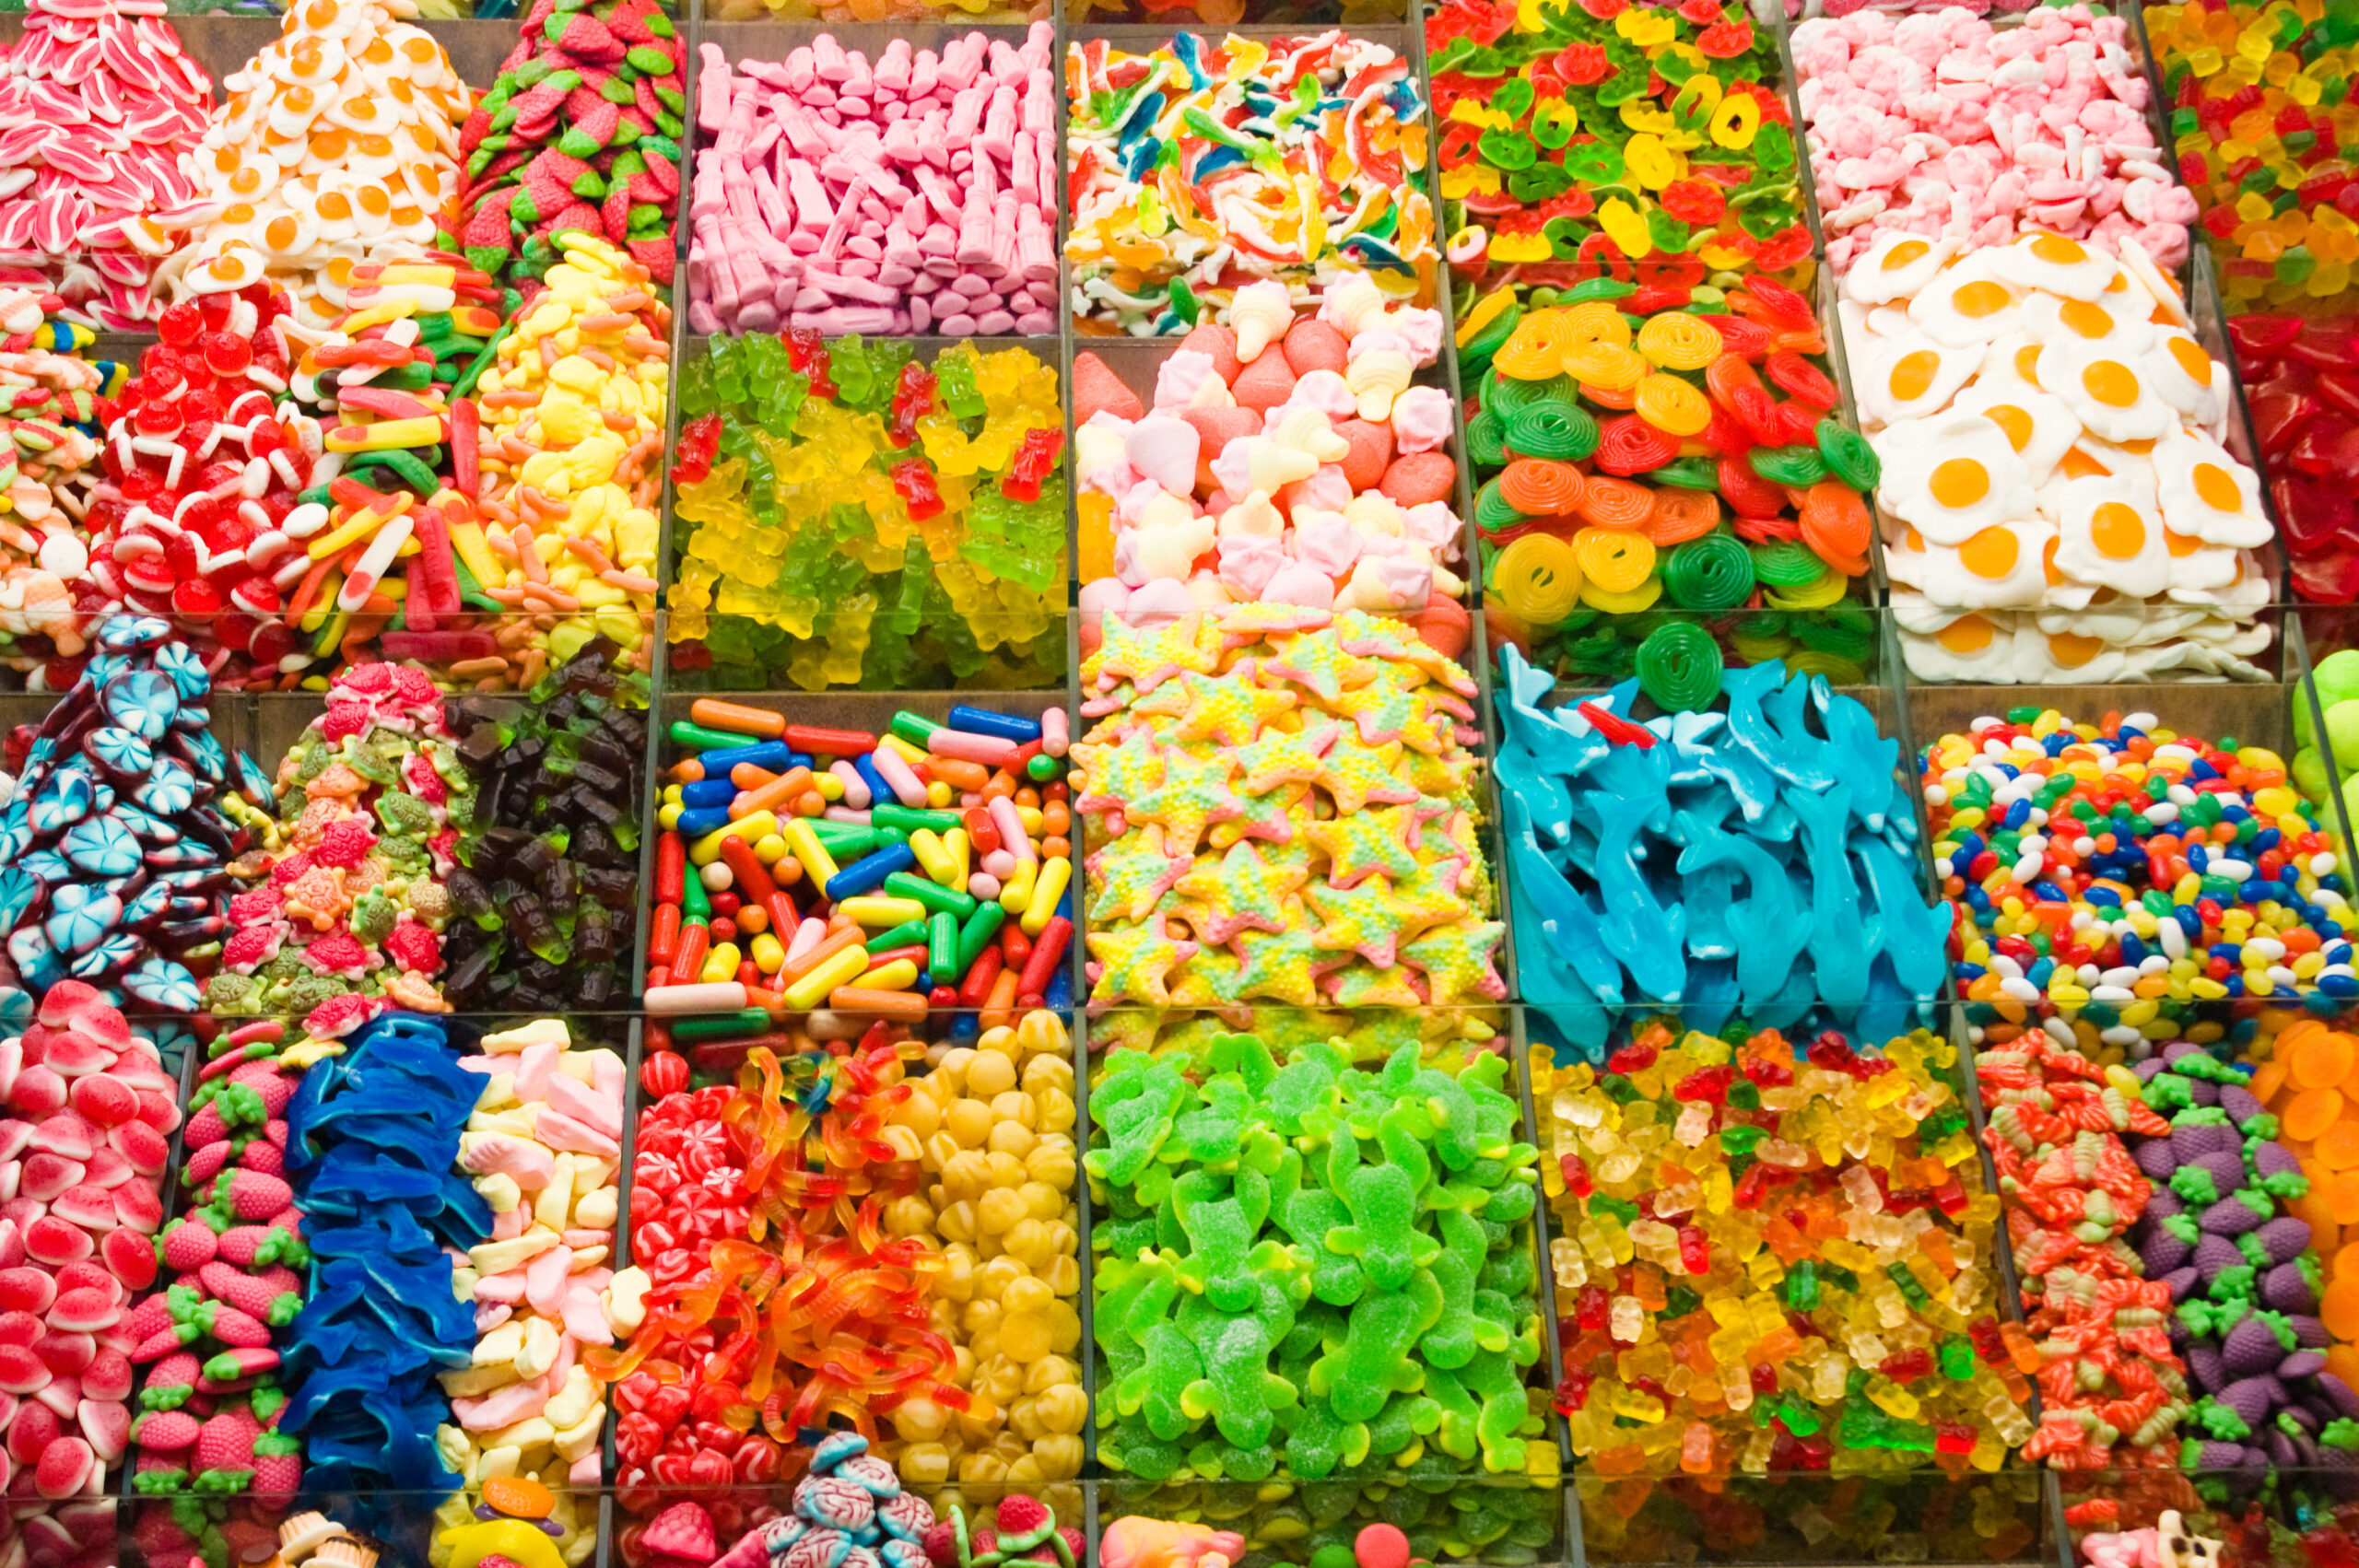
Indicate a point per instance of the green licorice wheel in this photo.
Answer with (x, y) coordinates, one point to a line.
(1679, 667)
(1557, 431)
(1491, 509)
(1688, 473)
(1847, 633)
(1713, 574)
(1486, 437)
(1786, 563)
(1507, 395)
(1848, 455)
(1798, 466)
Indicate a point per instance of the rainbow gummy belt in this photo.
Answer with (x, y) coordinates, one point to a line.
(1191, 170)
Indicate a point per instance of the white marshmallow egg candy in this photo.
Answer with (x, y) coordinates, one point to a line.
(2056, 265)
(2108, 533)
(1940, 644)
(1967, 305)
(1953, 476)
(2001, 567)
(2206, 495)
(2039, 427)
(1896, 265)
(1911, 377)
(2106, 391)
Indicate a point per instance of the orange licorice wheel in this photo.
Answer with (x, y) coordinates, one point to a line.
(1538, 487)
(1622, 398)
(1680, 515)
(1834, 523)
(1610, 502)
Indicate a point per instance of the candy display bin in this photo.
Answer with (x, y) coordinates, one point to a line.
(1487, 1519)
(898, 583)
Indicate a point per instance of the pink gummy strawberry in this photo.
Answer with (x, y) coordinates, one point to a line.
(274, 1087)
(277, 1475)
(263, 1156)
(204, 1127)
(168, 1381)
(250, 1195)
(249, 1294)
(414, 947)
(1021, 1516)
(207, 1163)
(164, 1431)
(149, 1318)
(226, 1442)
(941, 1544)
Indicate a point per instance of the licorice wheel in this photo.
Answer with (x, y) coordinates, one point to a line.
(1712, 573)
(1679, 667)
(1556, 430)
(1617, 561)
(1538, 580)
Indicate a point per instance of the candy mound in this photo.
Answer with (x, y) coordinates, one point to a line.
(342, 905)
(98, 111)
(1287, 803)
(115, 840)
(333, 145)
(50, 474)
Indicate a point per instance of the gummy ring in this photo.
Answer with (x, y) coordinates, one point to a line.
(1535, 350)
(1539, 488)
(1467, 245)
(1494, 511)
(1795, 467)
(1620, 398)
(1779, 302)
(1629, 445)
(1677, 341)
(1497, 307)
(1848, 455)
(1507, 395)
(1838, 671)
(1628, 230)
(1713, 574)
(1695, 202)
(1834, 523)
(1748, 493)
(1743, 338)
(1486, 437)
(1736, 122)
(1672, 406)
(1556, 430)
(1538, 579)
(1595, 322)
(1828, 588)
(1603, 364)
(1606, 289)
(1786, 564)
(1629, 602)
(1618, 561)
(1554, 124)
(1800, 377)
(1680, 515)
(1679, 666)
(1609, 502)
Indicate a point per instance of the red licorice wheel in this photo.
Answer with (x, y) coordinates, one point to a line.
(1747, 492)
(1746, 339)
(1801, 421)
(1780, 303)
(1629, 445)
(1765, 530)
(1800, 377)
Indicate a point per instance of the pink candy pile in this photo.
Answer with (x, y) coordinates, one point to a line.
(1940, 122)
(916, 195)
(97, 105)
(82, 1155)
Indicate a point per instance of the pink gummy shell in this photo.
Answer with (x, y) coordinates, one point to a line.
(1095, 387)
(1311, 344)
(1420, 477)
(1221, 343)
(1263, 384)
(1371, 452)
(1382, 1546)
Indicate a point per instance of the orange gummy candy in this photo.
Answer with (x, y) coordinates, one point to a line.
(2321, 1060)
(2339, 1308)
(2310, 1113)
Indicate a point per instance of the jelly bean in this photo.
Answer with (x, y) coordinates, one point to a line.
(2015, 554)
(964, 252)
(342, 905)
(1831, 916)
(1224, 883)
(549, 885)
(1195, 1320)
(1303, 481)
(1154, 257)
(367, 106)
(1854, 76)
(104, 132)
(2192, 874)
(903, 601)
(1828, 1291)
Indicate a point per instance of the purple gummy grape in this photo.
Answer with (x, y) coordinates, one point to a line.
(2337, 1393)
(2284, 1238)
(2214, 1457)
(2238, 1102)
(2282, 1449)
(2286, 1288)
(2214, 1253)
(2162, 1203)
(2180, 1050)
(2248, 1397)
(2226, 1169)
(2301, 1365)
(2251, 1348)
(2310, 1334)
(2205, 1368)
(2230, 1217)
(2194, 1143)
(2183, 1282)
(2154, 1157)
(2271, 1158)
(2162, 1252)
(2148, 1069)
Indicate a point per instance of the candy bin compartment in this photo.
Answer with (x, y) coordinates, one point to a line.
(1507, 1520)
(1152, 259)
(923, 560)
(1214, 1130)
(966, 248)
(1258, 465)
(932, 1213)
(944, 907)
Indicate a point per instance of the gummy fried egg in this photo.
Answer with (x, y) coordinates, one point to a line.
(1897, 265)
(1908, 378)
(2106, 389)
(2039, 428)
(2108, 533)
(1971, 647)
(2206, 495)
(2056, 265)
(1953, 477)
(1967, 305)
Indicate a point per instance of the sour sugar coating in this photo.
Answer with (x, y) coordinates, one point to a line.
(2125, 881)
(1285, 804)
(87, 1111)
(342, 906)
(849, 875)
(954, 574)
(547, 889)
(580, 133)
(913, 194)
(2243, 1276)
(569, 468)
(1197, 167)
(1567, 152)
(2076, 158)
(51, 466)
(992, 1127)
(1287, 458)
(212, 1467)
(1313, 1265)
(2296, 370)
(543, 1148)
(2258, 142)
(98, 106)
(117, 833)
(1621, 839)
(1821, 1300)
(332, 146)
(385, 1315)
(2060, 502)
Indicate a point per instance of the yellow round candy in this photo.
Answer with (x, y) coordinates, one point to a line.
(1624, 226)
(1672, 406)
(1538, 579)
(1613, 561)
(1736, 120)
(1649, 162)
(1677, 341)
(1640, 597)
